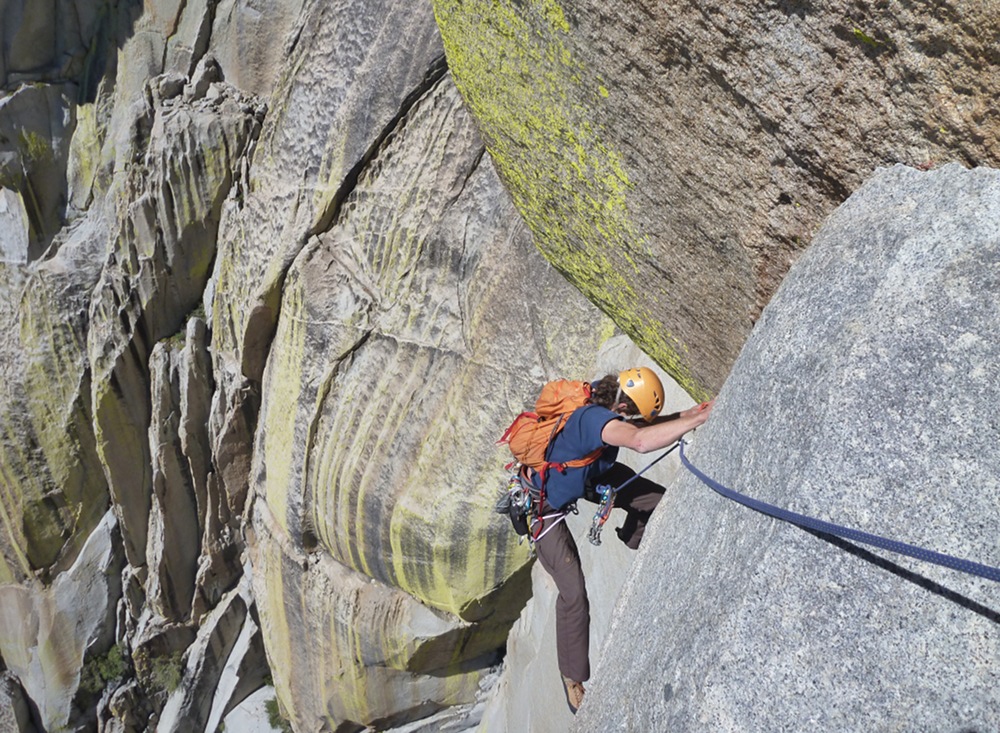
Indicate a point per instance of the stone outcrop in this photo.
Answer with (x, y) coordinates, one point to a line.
(397, 250)
(51, 634)
(402, 350)
(674, 158)
(222, 665)
(163, 246)
(102, 409)
(867, 397)
(56, 494)
(348, 81)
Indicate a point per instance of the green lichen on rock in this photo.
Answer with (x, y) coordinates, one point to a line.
(343, 647)
(281, 429)
(515, 67)
(518, 76)
(465, 552)
(51, 484)
(34, 147)
(58, 399)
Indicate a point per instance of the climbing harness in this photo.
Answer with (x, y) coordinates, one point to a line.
(818, 525)
(607, 494)
(530, 439)
(541, 520)
(522, 502)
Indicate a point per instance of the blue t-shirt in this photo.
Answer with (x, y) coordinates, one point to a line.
(581, 436)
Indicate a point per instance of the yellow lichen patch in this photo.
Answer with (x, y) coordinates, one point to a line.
(85, 152)
(57, 402)
(607, 331)
(52, 488)
(280, 421)
(465, 552)
(275, 619)
(34, 147)
(516, 71)
(676, 365)
(120, 442)
(383, 501)
(10, 515)
(6, 574)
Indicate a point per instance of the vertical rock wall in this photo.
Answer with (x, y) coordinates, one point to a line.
(276, 336)
(674, 158)
(868, 398)
(268, 301)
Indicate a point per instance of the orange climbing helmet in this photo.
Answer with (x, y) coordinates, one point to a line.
(644, 388)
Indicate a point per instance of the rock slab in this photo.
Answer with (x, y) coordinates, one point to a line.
(674, 158)
(866, 396)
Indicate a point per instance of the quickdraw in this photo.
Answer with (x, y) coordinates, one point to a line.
(522, 503)
(603, 512)
(608, 498)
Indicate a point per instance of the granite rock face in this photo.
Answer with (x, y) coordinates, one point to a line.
(49, 631)
(227, 269)
(56, 58)
(269, 291)
(867, 396)
(674, 158)
(15, 714)
(400, 350)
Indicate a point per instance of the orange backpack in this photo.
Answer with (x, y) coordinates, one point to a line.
(531, 433)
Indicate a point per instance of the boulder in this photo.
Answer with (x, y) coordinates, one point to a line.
(52, 637)
(673, 159)
(866, 396)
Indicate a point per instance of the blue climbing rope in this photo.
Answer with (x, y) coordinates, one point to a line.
(955, 563)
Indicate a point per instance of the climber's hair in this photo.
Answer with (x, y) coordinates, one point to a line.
(606, 393)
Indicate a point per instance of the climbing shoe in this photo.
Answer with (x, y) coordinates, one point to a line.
(574, 693)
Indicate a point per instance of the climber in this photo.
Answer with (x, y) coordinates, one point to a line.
(623, 412)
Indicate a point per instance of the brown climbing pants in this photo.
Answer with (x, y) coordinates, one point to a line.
(558, 554)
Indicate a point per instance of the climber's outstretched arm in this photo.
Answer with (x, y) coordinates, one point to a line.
(647, 438)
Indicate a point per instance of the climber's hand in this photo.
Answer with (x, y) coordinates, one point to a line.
(700, 412)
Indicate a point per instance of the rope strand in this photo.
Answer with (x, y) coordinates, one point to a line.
(801, 520)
